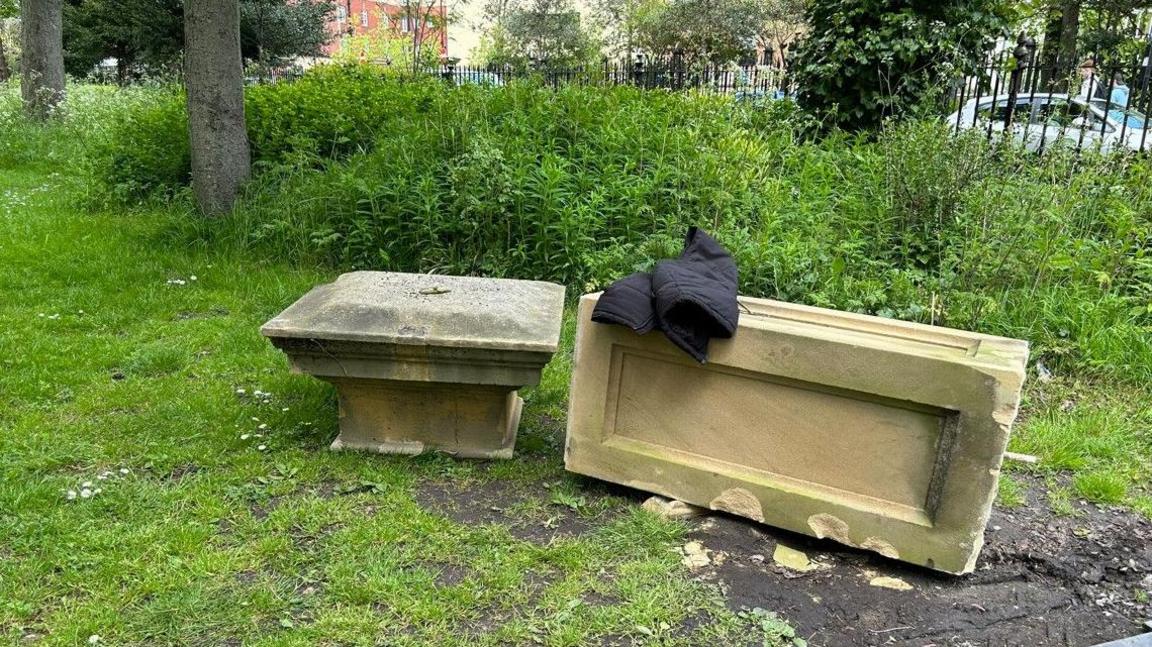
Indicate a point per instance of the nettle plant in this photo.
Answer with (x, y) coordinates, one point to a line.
(866, 60)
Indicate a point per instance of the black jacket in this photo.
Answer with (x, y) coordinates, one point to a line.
(691, 299)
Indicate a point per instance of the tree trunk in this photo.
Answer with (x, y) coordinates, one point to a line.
(1061, 31)
(121, 69)
(214, 76)
(1070, 30)
(5, 71)
(42, 58)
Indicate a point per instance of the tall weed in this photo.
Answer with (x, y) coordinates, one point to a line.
(582, 185)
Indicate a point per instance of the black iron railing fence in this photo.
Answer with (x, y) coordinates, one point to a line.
(1027, 94)
(1037, 100)
(1043, 100)
(672, 73)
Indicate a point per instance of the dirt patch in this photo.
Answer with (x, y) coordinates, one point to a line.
(1041, 581)
(451, 574)
(527, 510)
(180, 472)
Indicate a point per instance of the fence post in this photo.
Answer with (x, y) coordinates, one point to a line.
(678, 69)
(1023, 58)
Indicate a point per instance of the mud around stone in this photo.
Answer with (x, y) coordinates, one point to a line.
(526, 510)
(1041, 581)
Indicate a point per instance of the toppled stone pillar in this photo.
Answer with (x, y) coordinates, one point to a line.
(879, 434)
(424, 362)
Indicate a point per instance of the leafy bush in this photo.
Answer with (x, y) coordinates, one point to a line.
(866, 60)
(328, 114)
(146, 151)
(331, 112)
(581, 185)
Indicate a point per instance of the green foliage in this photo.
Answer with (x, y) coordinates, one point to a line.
(88, 117)
(395, 53)
(548, 33)
(774, 629)
(216, 517)
(582, 185)
(1095, 432)
(620, 21)
(147, 36)
(156, 358)
(865, 60)
(274, 30)
(1101, 487)
(713, 31)
(144, 153)
(1011, 494)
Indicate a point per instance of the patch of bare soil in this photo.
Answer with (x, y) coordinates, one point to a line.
(1042, 581)
(526, 510)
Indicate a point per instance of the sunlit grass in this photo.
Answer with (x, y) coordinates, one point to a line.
(1099, 433)
(166, 479)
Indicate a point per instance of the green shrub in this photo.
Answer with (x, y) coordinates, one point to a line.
(145, 153)
(330, 113)
(865, 60)
(581, 185)
(333, 111)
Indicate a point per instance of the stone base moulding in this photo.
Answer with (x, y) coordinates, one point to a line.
(879, 434)
(473, 421)
(424, 362)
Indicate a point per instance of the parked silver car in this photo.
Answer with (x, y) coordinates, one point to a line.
(1046, 120)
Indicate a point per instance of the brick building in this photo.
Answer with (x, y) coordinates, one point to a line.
(414, 19)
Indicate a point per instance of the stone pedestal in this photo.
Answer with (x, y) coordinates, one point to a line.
(876, 433)
(474, 421)
(424, 362)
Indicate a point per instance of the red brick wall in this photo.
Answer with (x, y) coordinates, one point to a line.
(382, 15)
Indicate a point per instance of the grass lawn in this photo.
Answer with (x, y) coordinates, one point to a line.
(219, 516)
(131, 367)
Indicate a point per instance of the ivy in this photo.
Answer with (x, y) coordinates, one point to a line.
(866, 60)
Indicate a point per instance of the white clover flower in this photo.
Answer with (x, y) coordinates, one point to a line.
(193, 277)
(263, 426)
(262, 447)
(124, 470)
(86, 484)
(241, 391)
(71, 495)
(85, 493)
(93, 639)
(245, 436)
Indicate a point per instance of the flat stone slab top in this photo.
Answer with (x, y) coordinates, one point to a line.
(879, 434)
(421, 361)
